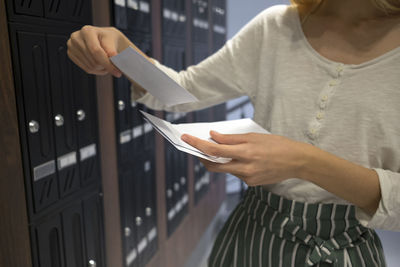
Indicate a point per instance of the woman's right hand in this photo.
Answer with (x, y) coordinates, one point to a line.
(91, 47)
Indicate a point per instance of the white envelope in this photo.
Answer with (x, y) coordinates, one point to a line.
(151, 78)
(173, 132)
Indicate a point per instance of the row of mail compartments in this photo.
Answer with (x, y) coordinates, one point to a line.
(219, 112)
(200, 52)
(57, 115)
(133, 15)
(79, 11)
(200, 34)
(139, 210)
(200, 9)
(176, 186)
(174, 18)
(218, 9)
(202, 180)
(219, 40)
(173, 24)
(174, 54)
(72, 237)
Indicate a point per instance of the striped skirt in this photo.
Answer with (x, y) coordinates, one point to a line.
(268, 230)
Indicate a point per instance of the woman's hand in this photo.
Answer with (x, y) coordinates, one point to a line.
(91, 47)
(260, 159)
(257, 159)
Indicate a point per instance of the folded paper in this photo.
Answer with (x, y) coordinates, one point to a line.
(152, 79)
(173, 132)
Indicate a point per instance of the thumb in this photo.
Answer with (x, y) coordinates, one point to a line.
(109, 46)
(228, 139)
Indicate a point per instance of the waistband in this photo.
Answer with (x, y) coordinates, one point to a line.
(327, 229)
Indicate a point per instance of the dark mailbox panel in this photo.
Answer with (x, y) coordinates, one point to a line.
(200, 52)
(93, 218)
(71, 237)
(49, 240)
(128, 215)
(200, 21)
(37, 103)
(27, 7)
(63, 115)
(150, 203)
(74, 236)
(120, 14)
(57, 9)
(219, 23)
(174, 55)
(176, 180)
(86, 116)
(139, 200)
(139, 16)
(174, 19)
(71, 10)
(123, 110)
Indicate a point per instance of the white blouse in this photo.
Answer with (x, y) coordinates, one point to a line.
(352, 111)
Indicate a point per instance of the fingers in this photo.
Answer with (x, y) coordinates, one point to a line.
(76, 48)
(91, 38)
(212, 149)
(83, 66)
(230, 167)
(229, 139)
(85, 48)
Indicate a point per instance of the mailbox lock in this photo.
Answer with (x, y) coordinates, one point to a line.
(128, 231)
(169, 193)
(59, 120)
(121, 105)
(81, 115)
(92, 263)
(139, 221)
(176, 186)
(148, 211)
(33, 126)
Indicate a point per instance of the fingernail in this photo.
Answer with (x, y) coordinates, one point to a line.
(184, 137)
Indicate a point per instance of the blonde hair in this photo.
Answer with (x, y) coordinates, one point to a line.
(391, 7)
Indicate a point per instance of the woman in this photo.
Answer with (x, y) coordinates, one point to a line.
(324, 78)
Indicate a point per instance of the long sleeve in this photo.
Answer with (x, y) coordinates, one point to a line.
(227, 74)
(387, 216)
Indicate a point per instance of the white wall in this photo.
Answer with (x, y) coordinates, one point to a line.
(239, 12)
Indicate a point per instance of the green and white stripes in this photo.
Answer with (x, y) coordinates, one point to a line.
(270, 231)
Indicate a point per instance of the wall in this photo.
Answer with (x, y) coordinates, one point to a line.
(240, 12)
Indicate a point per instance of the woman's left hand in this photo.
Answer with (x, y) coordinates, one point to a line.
(257, 159)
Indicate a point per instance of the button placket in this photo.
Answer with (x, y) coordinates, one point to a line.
(316, 122)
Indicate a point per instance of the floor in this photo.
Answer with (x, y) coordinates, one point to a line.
(200, 254)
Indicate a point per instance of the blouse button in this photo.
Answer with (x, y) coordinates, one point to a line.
(324, 98)
(312, 133)
(339, 67)
(333, 83)
(320, 115)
